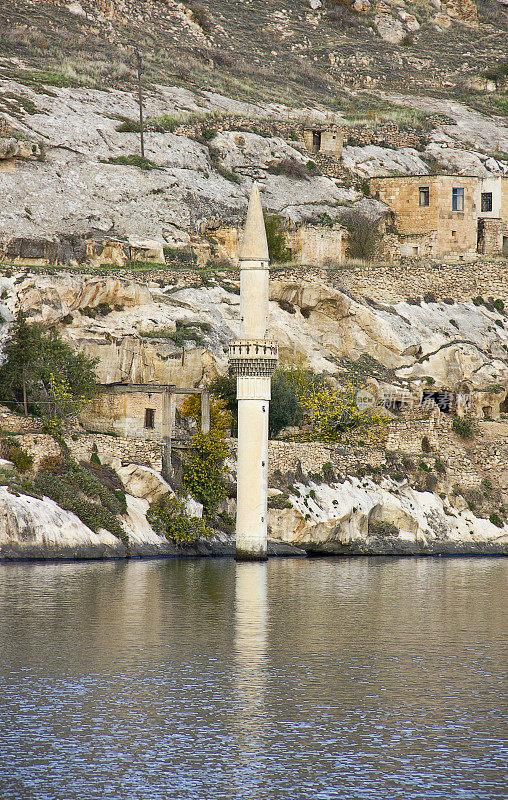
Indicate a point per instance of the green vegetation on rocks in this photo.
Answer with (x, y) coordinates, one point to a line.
(168, 518)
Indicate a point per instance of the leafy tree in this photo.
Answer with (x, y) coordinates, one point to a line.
(364, 236)
(331, 412)
(38, 366)
(288, 384)
(224, 387)
(276, 239)
(284, 407)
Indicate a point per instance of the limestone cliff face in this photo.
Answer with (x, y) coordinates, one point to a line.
(315, 324)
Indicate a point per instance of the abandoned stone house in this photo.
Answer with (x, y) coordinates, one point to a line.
(131, 414)
(140, 411)
(443, 215)
(308, 244)
(326, 139)
(318, 245)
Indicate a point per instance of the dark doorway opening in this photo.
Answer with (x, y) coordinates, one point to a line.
(443, 400)
(316, 141)
(480, 238)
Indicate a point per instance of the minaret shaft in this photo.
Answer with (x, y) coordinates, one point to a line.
(252, 478)
(253, 359)
(254, 301)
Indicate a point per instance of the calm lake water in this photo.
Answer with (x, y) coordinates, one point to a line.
(196, 679)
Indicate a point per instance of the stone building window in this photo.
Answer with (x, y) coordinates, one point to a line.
(150, 418)
(457, 199)
(424, 196)
(486, 201)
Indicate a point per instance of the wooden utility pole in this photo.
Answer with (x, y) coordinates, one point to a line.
(139, 62)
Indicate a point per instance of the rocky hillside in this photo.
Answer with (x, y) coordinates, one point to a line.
(228, 88)
(294, 53)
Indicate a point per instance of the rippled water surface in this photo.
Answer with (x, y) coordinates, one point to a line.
(197, 679)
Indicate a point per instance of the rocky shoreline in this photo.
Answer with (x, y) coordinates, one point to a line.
(19, 553)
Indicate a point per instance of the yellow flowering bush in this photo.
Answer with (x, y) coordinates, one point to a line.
(204, 469)
(332, 412)
(61, 405)
(220, 417)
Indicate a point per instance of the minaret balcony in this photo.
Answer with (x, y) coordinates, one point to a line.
(253, 357)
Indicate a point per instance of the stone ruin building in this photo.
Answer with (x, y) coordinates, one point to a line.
(443, 215)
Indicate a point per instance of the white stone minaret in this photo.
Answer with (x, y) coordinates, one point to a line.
(253, 359)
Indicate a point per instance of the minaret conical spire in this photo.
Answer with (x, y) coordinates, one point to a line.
(255, 246)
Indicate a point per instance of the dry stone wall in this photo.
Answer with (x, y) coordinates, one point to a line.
(390, 283)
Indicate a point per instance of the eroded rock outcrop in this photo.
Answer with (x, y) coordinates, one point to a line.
(360, 517)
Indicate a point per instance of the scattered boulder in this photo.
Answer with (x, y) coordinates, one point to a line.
(389, 28)
(143, 482)
(15, 148)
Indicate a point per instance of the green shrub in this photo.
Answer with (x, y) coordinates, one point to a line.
(168, 518)
(499, 305)
(431, 482)
(276, 239)
(128, 126)
(77, 489)
(496, 520)
(290, 168)
(498, 71)
(383, 529)
(134, 161)
(463, 426)
(439, 466)
(182, 254)
(364, 235)
(280, 501)
(228, 175)
(19, 457)
(426, 447)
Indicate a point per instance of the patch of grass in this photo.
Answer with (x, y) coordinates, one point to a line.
(183, 333)
(134, 161)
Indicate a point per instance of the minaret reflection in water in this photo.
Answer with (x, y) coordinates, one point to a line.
(250, 664)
